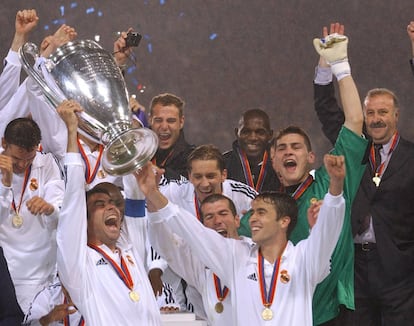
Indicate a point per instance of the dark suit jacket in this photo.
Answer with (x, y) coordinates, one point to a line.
(391, 204)
(392, 208)
(176, 164)
(10, 312)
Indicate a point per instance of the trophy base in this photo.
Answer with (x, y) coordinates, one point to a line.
(129, 151)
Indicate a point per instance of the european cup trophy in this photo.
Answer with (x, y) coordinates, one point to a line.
(85, 72)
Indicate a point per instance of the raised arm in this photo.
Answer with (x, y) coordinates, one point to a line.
(334, 49)
(329, 112)
(121, 51)
(325, 234)
(209, 246)
(26, 21)
(71, 234)
(410, 32)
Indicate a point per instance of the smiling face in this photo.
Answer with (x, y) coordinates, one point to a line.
(381, 117)
(265, 225)
(292, 159)
(167, 123)
(219, 217)
(206, 177)
(253, 135)
(104, 220)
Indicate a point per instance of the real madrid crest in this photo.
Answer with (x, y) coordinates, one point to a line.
(33, 184)
(284, 276)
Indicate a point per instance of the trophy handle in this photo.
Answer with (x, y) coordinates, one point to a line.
(30, 50)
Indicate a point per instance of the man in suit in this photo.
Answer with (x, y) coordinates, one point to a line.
(382, 213)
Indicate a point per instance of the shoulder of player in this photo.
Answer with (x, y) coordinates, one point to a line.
(232, 186)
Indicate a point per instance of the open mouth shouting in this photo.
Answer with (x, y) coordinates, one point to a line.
(113, 222)
(290, 164)
(164, 136)
(222, 232)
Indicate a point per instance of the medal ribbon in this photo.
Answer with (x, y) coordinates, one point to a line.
(248, 173)
(154, 160)
(221, 293)
(88, 176)
(25, 181)
(267, 297)
(197, 207)
(66, 321)
(380, 169)
(122, 271)
(302, 187)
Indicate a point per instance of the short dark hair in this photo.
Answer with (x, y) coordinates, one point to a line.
(166, 99)
(23, 132)
(255, 113)
(93, 191)
(284, 204)
(215, 198)
(111, 188)
(292, 130)
(206, 153)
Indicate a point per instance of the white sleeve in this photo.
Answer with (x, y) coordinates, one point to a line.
(210, 247)
(16, 107)
(323, 75)
(6, 197)
(72, 227)
(54, 135)
(320, 244)
(54, 190)
(9, 78)
(136, 224)
(178, 255)
(38, 308)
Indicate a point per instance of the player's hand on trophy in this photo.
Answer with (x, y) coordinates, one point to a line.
(68, 110)
(334, 49)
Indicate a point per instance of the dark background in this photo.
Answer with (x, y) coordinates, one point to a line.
(225, 56)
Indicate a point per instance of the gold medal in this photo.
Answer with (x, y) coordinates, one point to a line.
(313, 201)
(134, 296)
(267, 314)
(101, 174)
(17, 221)
(376, 179)
(219, 307)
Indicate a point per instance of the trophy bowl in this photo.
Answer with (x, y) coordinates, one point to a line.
(83, 71)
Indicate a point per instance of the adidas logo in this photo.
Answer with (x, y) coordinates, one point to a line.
(101, 262)
(252, 277)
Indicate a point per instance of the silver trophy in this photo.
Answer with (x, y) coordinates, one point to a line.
(85, 72)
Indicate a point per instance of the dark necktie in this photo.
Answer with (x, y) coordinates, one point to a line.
(377, 148)
(366, 220)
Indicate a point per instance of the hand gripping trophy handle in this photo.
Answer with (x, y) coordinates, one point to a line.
(30, 50)
(85, 72)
